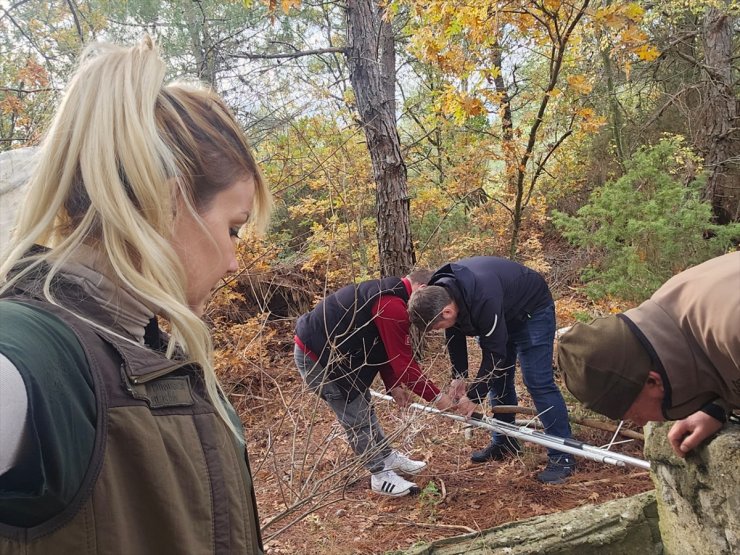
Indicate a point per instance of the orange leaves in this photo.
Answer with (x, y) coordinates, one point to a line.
(459, 104)
(10, 104)
(33, 74)
(647, 52)
(25, 97)
(622, 25)
(580, 84)
(285, 5)
(618, 16)
(590, 122)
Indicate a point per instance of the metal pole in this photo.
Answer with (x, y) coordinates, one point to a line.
(566, 445)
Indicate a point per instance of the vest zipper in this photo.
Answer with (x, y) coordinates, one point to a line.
(136, 380)
(154, 375)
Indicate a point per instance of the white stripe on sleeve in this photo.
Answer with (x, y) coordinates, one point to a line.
(495, 321)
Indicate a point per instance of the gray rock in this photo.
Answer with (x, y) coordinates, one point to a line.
(698, 497)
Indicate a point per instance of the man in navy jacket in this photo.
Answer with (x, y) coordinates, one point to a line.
(509, 308)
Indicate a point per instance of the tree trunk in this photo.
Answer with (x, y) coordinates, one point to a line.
(615, 112)
(369, 47)
(508, 145)
(719, 132)
(388, 64)
(201, 42)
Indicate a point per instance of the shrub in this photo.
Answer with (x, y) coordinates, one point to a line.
(647, 225)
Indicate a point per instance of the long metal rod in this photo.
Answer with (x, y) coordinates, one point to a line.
(566, 445)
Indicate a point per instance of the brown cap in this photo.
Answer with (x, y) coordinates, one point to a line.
(604, 364)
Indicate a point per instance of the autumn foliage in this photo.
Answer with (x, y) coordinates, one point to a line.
(568, 135)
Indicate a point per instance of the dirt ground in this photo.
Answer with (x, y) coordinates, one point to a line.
(314, 497)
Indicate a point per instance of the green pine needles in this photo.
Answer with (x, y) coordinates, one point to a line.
(648, 225)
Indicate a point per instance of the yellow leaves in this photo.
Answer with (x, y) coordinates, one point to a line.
(590, 122)
(618, 16)
(470, 105)
(633, 11)
(580, 84)
(426, 199)
(460, 105)
(493, 96)
(287, 4)
(647, 52)
(441, 51)
(632, 35)
(272, 5)
(476, 23)
(10, 104)
(552, 5)
(622, 22)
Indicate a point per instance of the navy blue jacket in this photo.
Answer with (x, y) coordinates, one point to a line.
(341, 333)
(493, 295)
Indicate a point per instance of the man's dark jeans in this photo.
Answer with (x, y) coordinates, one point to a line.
(532, 343)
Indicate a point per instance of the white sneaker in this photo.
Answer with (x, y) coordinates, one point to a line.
(387, 482)
(401, 463)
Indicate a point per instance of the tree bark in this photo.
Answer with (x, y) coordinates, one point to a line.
(720, 139)
(201, 42)
(369, 48)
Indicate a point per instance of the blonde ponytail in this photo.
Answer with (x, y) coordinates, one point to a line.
(119, 151)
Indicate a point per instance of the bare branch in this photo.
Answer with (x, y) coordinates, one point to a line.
(73, 10)
(289, 55)
(25, 91)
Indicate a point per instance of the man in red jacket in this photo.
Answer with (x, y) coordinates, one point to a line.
(342, 344)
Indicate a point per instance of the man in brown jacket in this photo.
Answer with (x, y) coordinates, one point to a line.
(675, 357)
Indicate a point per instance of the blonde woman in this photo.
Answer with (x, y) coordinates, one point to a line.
(117, 438)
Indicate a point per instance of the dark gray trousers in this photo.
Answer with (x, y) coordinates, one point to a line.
(356, 417)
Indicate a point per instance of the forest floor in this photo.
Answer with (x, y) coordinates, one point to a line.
(314, 497)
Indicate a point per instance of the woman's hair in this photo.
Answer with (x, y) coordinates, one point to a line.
(426, 305)
(121, 150)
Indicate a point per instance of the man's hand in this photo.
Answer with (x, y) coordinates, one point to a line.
(465, 407)
(691, 431)
(457, 388)
(444, 402)
(401, 396)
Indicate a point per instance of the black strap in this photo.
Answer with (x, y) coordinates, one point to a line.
(715, 411)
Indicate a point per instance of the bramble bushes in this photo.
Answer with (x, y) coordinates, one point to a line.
(647, 225)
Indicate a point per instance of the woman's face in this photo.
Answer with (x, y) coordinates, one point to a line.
(208, 251)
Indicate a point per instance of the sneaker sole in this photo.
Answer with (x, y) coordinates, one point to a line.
(498, 459)
(414, 490)
(556, 482)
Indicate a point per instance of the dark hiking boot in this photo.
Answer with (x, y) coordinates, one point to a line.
(497, 451)
(558, 469)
